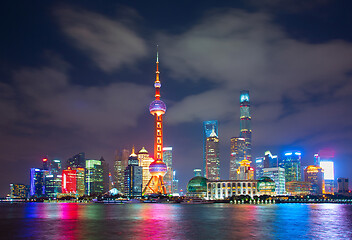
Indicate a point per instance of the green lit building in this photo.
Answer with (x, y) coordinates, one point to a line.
(197, 187)
(94, 177)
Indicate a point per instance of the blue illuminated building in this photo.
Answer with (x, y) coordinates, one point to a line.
(291, 162)
(208, 127)
(259, 165)
(37, 187)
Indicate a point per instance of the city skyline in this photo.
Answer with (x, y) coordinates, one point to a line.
(69, 88)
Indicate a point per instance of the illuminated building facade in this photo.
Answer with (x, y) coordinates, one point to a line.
(37, 187)
(342, 186)
(245, 122)
(55, 166)
(298, 188)
(157, 168)
(259, 165)
(53, 182)
(245, 171)
(145, 160)
(212, 167)
(167, 157)
(133, 177)
(197, 187)
(291, 162)
(277, 174)
(208, 128)
(266, 186)
(315, 176)
(270, 161)
(105, 174)
(238, 153)
(325, 159)
(94, 177)
(222, 189)
(73, 181)
(77, 161)
(19, 190)
(174, 184)
(121, 162)
(69, 181)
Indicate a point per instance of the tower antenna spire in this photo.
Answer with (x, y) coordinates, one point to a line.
(157, 53)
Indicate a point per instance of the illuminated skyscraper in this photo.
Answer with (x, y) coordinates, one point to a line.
(69, 181)
(121, 162)
(259, 165)
(55, 166)
(208, 128)
(145, 160)
(19, 190)
(245, 123)
(245, 171)
(94, 177)
(212, 167)
(133, 177)
(315, 176)
(270, 161)
(277, 174)
(45, 161)
(167, 156)
(37, 187)
(342, 185)
(325, 159)
(77, 161)
(105, 167)
(291, 162)
(174, 184)
(238, 152)
(53, 182)
(157, 168)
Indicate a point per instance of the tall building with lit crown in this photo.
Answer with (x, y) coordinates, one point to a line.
(121, 162)
(315, 176)
(157, 168)
(208, 128)
(245, 122)
(245, 171)
(37, 184)
(238, 151)
(145, 160)
(212, 167)
(167, 156)
(133, 177)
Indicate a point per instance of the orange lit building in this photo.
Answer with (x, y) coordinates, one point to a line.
(315, 176)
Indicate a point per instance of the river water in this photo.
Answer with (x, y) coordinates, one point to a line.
(175, 221)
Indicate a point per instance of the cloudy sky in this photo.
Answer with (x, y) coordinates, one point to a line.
(78, 77)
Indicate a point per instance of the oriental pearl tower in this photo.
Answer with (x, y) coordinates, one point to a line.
(157, 168)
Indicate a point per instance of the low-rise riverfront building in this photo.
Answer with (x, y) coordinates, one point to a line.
(222, 189)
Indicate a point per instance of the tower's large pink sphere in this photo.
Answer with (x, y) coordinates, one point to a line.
(157, 168)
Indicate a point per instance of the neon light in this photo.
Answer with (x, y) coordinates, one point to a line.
(298, 153)
(45, 159)
(288, 154)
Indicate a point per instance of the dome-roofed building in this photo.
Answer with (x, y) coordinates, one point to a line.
(143, 151)
(266, 186)
(197, 187)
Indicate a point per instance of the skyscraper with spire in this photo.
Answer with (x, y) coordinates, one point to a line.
(245, 123)
(157, 168)
(212, 166)
(208, 128)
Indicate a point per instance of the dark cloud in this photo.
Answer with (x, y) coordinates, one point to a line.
(287, 5)
(110, 43)
(291, 82)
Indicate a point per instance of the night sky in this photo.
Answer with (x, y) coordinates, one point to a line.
(77, 76)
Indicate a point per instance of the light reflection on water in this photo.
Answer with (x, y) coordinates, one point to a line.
(175, 221)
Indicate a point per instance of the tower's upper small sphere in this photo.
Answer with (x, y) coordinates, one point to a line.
(157, 168)
(157, 107)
